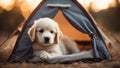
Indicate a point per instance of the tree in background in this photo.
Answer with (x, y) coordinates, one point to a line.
(109, 18)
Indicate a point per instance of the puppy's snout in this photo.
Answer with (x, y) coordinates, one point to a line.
(46, 39)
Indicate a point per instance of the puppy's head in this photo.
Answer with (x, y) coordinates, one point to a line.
(45, 31)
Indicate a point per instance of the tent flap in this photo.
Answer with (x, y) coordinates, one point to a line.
(82, 23)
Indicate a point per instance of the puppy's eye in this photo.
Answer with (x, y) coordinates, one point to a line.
(51, 31)
(41, 31)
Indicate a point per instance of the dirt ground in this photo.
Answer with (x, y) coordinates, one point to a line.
(114, 63)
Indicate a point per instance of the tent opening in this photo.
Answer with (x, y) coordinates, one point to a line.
(82, 39)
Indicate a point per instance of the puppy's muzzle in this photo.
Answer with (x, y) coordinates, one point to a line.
(46, 40)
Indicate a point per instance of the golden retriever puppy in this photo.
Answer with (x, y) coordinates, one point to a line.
(48, 40)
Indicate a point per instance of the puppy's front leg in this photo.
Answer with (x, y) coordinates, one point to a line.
(47, 55)
(42, 54)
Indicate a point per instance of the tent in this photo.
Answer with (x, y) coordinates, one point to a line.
(78, 24)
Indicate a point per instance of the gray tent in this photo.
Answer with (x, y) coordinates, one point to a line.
(73, 12)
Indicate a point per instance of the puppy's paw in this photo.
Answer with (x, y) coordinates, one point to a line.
(44, 55)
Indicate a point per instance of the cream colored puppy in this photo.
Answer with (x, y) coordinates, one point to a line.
(48, 40)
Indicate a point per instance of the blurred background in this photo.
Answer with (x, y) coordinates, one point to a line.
(13, 12)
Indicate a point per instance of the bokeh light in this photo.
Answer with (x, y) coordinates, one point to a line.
(98, 5)
(7, 4)
(27, 6)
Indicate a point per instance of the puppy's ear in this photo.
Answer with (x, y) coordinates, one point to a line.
(58, 35)
(32, 31)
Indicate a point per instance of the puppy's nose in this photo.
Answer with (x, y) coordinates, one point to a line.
(46, 39)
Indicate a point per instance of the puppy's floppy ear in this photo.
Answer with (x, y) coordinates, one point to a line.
(58, 35)
(32, 31)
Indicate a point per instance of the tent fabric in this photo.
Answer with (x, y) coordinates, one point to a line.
(75, 15)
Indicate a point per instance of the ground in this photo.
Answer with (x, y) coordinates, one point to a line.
(114, 63)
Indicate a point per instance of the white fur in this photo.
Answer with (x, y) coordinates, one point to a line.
(58, 44)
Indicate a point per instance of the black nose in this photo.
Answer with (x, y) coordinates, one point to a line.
(46, 39)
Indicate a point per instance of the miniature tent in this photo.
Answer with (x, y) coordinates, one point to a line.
(79, 25)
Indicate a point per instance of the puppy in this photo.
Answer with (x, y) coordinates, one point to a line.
(48, 40)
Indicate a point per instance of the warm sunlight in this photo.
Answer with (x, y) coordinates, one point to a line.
(7, 4)
(100, 5)
(85, 3)
(27, 6)
(97, 5)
